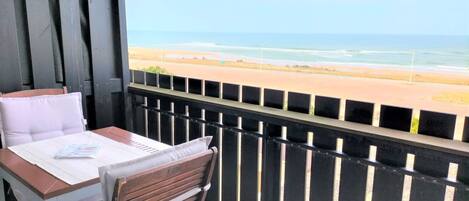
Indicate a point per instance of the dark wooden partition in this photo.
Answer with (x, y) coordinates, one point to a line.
(80, 44)
(11, 55)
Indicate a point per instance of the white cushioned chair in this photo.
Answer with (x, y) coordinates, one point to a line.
(178, 173)
(34, 115)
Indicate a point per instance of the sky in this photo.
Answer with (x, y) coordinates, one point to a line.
(428, 17)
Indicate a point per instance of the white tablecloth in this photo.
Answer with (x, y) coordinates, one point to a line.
(74, 171)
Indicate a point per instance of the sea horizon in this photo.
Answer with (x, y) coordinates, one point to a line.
(422, 52)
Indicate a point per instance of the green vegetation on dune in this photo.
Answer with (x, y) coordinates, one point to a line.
(414, 128)
(156, 69)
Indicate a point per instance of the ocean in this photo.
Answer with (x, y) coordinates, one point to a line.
(424, 52)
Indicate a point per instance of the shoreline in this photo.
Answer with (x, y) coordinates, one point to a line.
(379, 86)
(352, 70)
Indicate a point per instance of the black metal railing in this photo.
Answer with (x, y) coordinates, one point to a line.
(277, 150)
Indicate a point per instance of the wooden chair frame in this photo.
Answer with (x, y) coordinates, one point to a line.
(171, 180)
(34, 92)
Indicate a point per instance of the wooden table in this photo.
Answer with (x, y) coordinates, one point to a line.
(41, 185)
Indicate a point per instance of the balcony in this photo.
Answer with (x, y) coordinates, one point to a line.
(273, 144)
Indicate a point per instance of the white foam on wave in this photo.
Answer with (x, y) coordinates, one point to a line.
(253, 48)
(334, 56)
(327, 54)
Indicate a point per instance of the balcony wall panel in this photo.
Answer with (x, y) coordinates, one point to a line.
(108, 53)
(41, 32)
(71, 37)
(79, 44)
(10, 67)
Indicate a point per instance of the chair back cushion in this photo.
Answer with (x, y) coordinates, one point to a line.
(29, 119)
(109, 174)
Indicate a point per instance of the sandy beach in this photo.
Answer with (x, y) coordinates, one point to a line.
(427, 90)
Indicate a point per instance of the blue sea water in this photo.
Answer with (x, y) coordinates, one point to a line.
(450, 53)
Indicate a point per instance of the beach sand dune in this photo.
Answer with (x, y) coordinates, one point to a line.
(435, 91)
